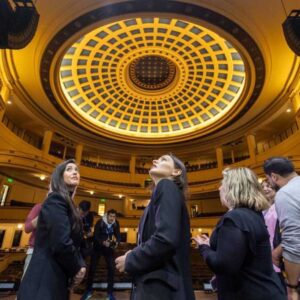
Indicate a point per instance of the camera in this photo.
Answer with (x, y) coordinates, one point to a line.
(112, 244)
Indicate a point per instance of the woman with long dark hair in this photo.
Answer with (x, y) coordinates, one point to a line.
(160, 264)
(56, 264)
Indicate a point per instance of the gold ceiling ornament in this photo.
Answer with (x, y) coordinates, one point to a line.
(152, 78)
(152, 72)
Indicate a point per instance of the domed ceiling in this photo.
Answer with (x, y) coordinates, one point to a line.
(152, 79)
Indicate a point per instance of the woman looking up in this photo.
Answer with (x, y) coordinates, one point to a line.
(160, 263)
(56, 264)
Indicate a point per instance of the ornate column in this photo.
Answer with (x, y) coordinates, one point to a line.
(232, 156)
(219, 154)
(5, 93)
(132, 164)
(2, 112)
(296, 107)
(48, 134)
(132, 167)
(78, 153)
(251, 146)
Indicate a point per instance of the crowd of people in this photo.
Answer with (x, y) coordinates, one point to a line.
(254, 250)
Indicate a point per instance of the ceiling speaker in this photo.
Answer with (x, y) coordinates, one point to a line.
(19, 20)
(291, 29)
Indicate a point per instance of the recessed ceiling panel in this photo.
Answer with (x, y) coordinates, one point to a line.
(152, 77)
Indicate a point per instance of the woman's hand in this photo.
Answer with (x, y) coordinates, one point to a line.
(120, 262)
(201, 240)
(34, 222)
(79, 276)
(277, 256)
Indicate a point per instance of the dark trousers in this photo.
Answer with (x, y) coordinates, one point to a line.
(109, 259)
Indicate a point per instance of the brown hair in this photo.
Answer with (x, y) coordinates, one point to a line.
(59, 186)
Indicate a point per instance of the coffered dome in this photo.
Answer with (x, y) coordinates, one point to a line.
(152, 77)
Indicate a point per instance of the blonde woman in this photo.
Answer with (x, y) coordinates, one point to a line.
(239, 251)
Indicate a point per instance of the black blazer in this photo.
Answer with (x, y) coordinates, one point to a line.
(56, 257)
(101, 234)
(160, 263)
(240, 256)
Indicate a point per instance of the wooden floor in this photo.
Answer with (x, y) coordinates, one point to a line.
(122, 296)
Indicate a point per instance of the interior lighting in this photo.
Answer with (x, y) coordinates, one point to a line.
(43, 177)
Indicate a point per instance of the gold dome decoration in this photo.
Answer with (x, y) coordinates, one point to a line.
(152, 77)
(152, 72)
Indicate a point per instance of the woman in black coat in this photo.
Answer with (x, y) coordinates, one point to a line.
(56, 265)
(239, 251)
(160, 264)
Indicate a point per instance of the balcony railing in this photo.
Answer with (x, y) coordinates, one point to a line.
(25, 135)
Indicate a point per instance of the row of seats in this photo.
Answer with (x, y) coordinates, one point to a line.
(189, 168)
(198, 167)
(199, 269)
(103, 166)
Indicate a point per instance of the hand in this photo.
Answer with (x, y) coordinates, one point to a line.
(89, 234)
(201, 240)
(34, 222)
(120, 262)
(277, 255)
(79, 276)
(106, 243)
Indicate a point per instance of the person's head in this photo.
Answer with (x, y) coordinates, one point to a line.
(84, 207)
(64, 181)
(269, 191)
(170, 167)
(279, 170)
(111, 216)
(240, 188)
(65, 178)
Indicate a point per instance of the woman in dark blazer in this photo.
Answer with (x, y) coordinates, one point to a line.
(239, 251)
(160, 264)
(56, 264)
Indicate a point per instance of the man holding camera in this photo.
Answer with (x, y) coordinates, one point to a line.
(106, 239)
(87, 218)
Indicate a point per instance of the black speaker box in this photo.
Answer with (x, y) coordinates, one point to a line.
(291, 29)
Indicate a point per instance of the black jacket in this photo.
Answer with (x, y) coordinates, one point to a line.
(56, 257)
(240, 256)
(101, 233)
(160, 263)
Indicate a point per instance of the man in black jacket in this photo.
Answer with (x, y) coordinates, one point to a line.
(87, 218)
(106, 239)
